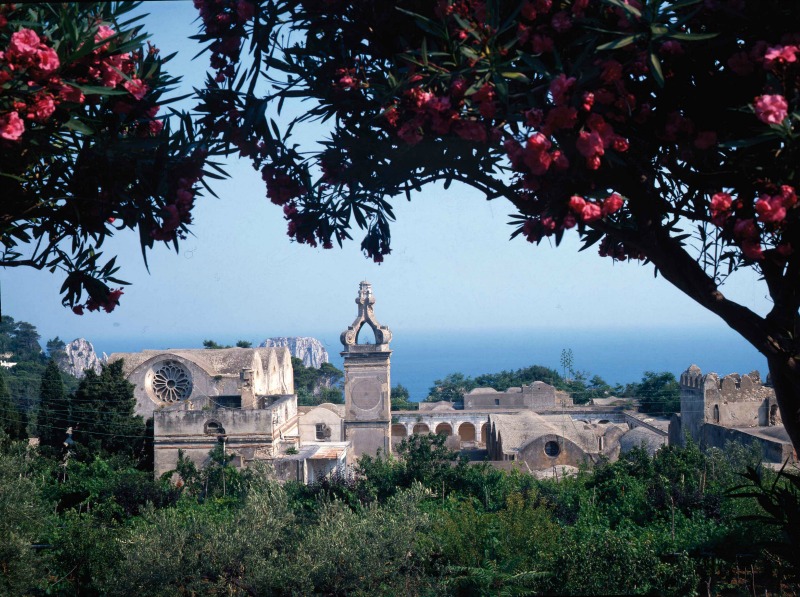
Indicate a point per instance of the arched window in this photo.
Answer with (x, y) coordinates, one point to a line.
(213, 428)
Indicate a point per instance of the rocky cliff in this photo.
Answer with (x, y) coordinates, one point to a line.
(310, 350)
(79, 355)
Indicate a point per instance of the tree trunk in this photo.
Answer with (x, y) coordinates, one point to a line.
(773, 336)
(786, 382)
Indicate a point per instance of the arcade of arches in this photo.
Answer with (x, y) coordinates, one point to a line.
(467, 431)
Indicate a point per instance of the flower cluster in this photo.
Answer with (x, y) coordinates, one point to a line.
(764, 220)
(107, 304)
(177, 213)
(281, 188)
(38, 83)
(424, 112)
(28, 64)
(225, 20)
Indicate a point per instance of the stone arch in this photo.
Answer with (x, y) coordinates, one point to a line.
(399, 430)
(485, 433)
(366, 334)
(716, 413)
(420, 428)
(212, 427)
(444, 429)
(466, 431)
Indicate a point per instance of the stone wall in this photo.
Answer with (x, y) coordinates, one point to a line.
(249, 433)
(535, 453)
(535, 396)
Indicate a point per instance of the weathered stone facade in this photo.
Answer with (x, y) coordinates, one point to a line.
(534, 396)
(235, 377)
(734, 408)
(367, 383)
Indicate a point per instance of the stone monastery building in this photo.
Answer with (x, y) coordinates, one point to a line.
(244, 398)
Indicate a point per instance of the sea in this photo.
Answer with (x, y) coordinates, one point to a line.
(618, 356)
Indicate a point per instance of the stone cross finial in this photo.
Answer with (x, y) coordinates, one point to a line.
(366, 316)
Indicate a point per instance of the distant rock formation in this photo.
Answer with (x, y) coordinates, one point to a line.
(78, 356)
(310, 350)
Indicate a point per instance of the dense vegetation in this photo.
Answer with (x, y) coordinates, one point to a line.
(90, 519)
(658, 393)
(315, 386)
(19, 385)
(424, 523)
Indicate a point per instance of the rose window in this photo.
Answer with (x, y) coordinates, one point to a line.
(171, 382)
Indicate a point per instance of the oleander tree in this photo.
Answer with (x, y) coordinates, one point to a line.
(660, 131)
(86, 146)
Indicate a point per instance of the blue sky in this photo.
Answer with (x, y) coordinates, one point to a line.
(452, 268)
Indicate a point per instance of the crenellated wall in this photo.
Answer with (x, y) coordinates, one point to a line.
(715, 410)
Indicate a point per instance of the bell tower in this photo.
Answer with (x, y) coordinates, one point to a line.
(367, 385)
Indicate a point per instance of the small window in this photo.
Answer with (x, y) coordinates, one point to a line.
(323, 432)
(552, 449)
(497, 401)
(214, 428)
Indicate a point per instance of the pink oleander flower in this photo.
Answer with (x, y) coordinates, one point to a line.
(536, 157)
(788, 196)
(770, 210)
(42, 108)
(560, 88)
(612, 204)
(68, 93)
(11, 126)
(24, 42)
(771, 109)
(577, 203)
(780, 55)
(591, 212)
(745, 229)
(590, 146)
(47, 60)
(136, 88)
(561, 117)
(470, 130)
(752, 249)
(720, 207)
(103, 32)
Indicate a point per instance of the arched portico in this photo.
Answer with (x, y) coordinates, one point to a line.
(399, 430)
(444, 429)
(421, 428)
(466, 432)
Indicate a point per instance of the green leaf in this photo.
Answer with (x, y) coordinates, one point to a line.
(619, 43)
(515, 76)
(655, 66)
(98, 89)
(79, 126)
(692, 36)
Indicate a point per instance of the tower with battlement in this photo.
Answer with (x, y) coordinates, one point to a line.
(367, 384)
